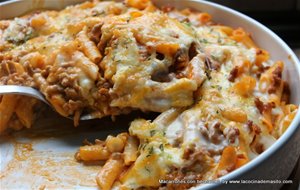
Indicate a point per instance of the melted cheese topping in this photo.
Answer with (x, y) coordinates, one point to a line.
(120, 64)
(222, 101)
(101, 58)
(193, 141)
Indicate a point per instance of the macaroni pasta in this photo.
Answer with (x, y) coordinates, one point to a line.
(221, 100)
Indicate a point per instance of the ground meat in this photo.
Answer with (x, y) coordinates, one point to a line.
(211, 64)
(183, 57)
(103, 94)
(17, 79)
(70, 92)
(204, 131)
(233, 74)
(192, 51)
(63, 87)
(212, 133)
(96, 32)
(188, 152)
(263, 107)
(253, 128)
(182, 65)
(277, 78)
(215, 133)
(277, 75)
(71, 106)
(232, 134)
(11, 74)
(53, 89)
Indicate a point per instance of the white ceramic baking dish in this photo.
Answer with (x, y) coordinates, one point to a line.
(275, 163)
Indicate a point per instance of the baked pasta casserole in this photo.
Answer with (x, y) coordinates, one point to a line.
(221, 100)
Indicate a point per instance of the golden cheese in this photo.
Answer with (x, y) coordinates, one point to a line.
(222, 100)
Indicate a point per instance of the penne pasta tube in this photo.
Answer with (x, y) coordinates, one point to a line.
(235, 114)
(110, 172)
(115, 144)
(227, 161)
(93, 153)
(24, 110)
(226, 29)
(88, 47)
(131, 150)
(7, 108)
(204, 18)
(240, 35)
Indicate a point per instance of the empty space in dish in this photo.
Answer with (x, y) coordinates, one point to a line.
(43, 157)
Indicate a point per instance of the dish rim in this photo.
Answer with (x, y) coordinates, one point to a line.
(294, 126)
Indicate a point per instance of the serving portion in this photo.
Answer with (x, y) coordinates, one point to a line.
(97, 58)
(222, 100)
